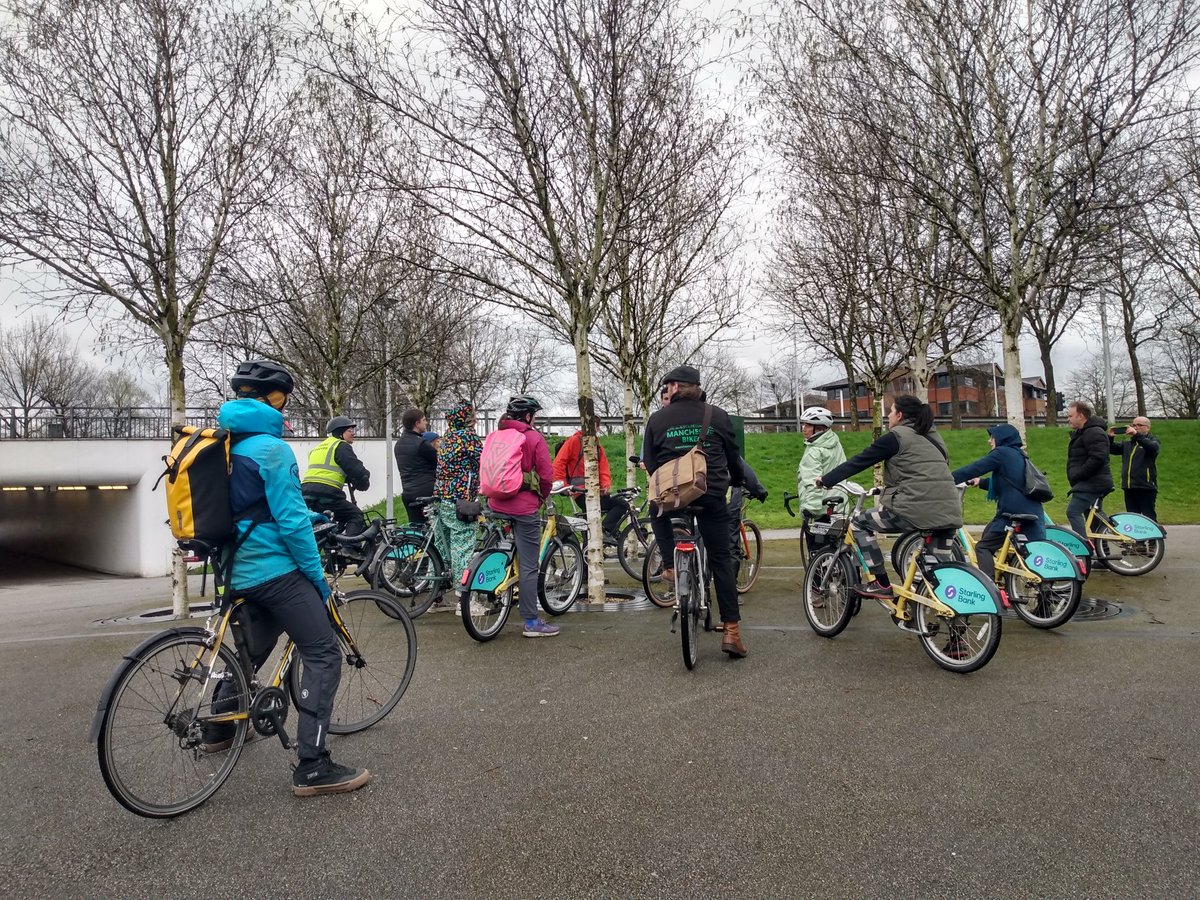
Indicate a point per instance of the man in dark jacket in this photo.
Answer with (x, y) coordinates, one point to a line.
(1006, 462)
(1139, 466)
(1088, 471)
(670, 433)
(416, 464)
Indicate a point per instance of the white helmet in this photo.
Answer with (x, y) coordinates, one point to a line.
(817, 415)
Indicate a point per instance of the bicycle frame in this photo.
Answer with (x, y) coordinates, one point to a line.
(905, 595)
(1128, 528)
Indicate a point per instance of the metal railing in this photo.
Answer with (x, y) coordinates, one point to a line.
(154, 423)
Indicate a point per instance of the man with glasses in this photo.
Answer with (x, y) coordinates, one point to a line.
(1139, 470)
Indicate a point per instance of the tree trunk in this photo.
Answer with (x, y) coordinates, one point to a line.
(853, 397)
(1010, 324)
(952, 381)
(1135, 369)
(919, 366)
(631, 448)
(173, 357)
(1051, 394)
(591, 467)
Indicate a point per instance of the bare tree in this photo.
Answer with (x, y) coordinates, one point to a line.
(134, 138)
(33, 356)
(531, 117)
(1174, 369)
(1033, 114)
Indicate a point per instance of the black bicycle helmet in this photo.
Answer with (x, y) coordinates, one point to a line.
(260, 377)
(519, 406)
(338, 424)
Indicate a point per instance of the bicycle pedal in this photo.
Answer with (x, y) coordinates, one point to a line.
(674, 619)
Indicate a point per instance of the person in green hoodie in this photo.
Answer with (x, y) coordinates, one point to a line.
(822, 452)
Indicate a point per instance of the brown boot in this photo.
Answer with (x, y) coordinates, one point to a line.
(732, 642)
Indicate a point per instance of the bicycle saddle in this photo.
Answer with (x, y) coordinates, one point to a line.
(370, 534)
(423, 501)
(1022, 517)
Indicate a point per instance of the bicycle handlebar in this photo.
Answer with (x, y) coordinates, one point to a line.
(787, 503)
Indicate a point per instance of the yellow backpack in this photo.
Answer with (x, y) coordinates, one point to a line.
(197, 476)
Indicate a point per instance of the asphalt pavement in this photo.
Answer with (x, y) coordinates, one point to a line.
(594, 764)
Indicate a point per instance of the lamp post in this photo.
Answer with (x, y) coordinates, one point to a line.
(1108, 375)
(387, 428)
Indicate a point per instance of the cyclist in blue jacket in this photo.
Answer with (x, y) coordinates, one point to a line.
(1006, 463)
(277, 569)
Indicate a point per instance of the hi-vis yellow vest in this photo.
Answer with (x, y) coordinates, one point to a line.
(321, 467)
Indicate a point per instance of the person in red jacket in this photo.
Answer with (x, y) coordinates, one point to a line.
(568, 469)
(523, 508)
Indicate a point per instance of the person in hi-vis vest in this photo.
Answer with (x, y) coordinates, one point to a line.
(331, 465)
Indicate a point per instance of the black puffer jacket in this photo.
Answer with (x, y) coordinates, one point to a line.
(416, 463)
(1087, 458)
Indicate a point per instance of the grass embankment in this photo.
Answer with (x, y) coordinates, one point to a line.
(775, 457)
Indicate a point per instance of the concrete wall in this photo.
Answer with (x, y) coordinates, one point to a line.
(123, 532)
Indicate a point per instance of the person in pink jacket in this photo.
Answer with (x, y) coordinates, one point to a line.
(523, 509)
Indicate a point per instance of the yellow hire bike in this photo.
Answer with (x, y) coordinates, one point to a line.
(488, 587)
(150, 723)
(1043, 581)
(952, 607)
(1125, 543)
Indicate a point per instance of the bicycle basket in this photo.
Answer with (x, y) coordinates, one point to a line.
(828, 534)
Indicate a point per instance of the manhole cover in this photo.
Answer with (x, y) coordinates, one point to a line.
(615, 601)
(1091, 609)
(161, 614)
(1094, 609)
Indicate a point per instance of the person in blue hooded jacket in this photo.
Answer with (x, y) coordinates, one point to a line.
(1006, 465)
(277, 569)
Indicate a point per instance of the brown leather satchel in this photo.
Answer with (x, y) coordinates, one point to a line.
(683, 480)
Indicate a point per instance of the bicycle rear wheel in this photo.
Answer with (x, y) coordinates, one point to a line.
(961, 643)
(687, 581)
(1043, 604)
(1125, 558)
(484, 614)
(151, 740)
(560, 575)
(413, 573)
(749, 557)
(379, 653)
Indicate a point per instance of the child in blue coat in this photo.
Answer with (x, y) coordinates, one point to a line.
(1006, 464)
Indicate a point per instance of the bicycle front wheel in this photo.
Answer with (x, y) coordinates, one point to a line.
(659, 591)
(152, 742)
(1126, 558)
(827, 602)
(961, 643)
(560, 575)
(413, 572)
(631, 548)
(749, 559)
(1043, 604)
(379, 653)
(687, 580)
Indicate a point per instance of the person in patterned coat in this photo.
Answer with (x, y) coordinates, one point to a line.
(457, 479)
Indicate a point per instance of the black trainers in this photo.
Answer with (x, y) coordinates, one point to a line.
(323, 776)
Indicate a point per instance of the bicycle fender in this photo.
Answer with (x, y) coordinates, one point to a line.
(128, 659)
(1138, 527)
(486, 571)
(1051, 561)
(965, 589)
(1073, 542)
